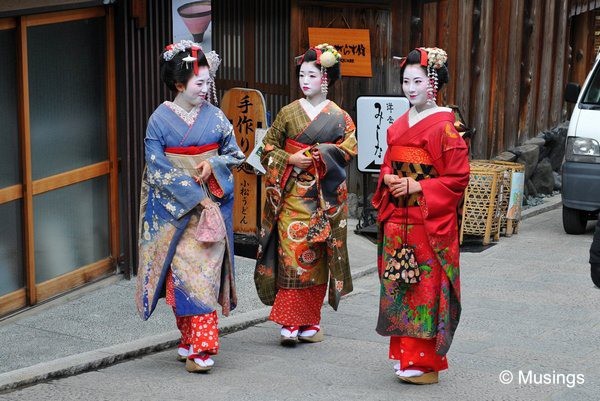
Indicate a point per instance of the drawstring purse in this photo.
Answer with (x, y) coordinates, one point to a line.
(211, 227)
(403, 266)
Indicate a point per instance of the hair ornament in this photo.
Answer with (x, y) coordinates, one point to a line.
(327, 55)
(174, 48)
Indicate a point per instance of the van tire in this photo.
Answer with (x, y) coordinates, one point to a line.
(574, 221)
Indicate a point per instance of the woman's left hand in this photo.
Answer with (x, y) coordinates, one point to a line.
(399, 187)
(204, 171)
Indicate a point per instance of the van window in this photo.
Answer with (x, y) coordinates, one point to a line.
(592, 92)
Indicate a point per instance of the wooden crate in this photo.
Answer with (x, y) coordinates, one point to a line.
(483, 199)
(511, 212)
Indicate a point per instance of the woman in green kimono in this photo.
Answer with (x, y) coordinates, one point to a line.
(302, 243)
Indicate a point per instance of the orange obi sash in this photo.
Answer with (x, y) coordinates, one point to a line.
(292, 146)
(409, 154)
(188, 157)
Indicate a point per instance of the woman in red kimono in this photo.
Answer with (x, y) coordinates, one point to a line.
(422, 179)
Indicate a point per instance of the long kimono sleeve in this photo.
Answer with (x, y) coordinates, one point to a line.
(339, 154)
(174, 190)
(381, 197)
(442, 194)
(229, 156)
(274, 157)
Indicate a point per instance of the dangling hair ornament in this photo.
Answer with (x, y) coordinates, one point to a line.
(324, 81)
(214, 61)
(435, 59)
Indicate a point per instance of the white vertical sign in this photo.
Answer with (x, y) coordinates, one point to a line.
(374, 114)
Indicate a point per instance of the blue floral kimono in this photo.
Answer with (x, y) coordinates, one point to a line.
(169, 208)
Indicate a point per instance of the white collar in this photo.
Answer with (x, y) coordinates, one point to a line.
(188, 117)
(414, 116)
(313, 111)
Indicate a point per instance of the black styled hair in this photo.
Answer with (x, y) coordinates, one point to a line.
(175, 71)
(333, 72)
(414, 57)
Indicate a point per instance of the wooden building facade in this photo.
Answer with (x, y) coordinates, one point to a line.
(509, 62)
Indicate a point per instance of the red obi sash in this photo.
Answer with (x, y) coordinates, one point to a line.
(209, 150)
(292, 147)
(192, 150)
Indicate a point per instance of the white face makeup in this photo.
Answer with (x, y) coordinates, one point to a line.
(309, 79)
(196, 90)
(415, 84)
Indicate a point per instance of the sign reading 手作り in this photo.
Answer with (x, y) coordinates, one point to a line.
(245, 109)
(353, 44)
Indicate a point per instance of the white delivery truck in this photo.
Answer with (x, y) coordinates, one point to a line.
(581, 167)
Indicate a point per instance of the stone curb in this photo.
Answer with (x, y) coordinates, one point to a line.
(80, 363)
(551, 203)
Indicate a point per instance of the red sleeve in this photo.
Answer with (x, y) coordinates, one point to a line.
(442, 194)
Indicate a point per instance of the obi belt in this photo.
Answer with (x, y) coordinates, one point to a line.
(188, 157)
(410, 161)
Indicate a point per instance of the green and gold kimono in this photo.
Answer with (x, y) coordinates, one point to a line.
(300, 202)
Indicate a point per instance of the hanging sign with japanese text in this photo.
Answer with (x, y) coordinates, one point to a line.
(245, 109)
(374, 114)
(353, 44)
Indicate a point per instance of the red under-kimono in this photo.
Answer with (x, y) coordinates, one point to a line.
(421, 318)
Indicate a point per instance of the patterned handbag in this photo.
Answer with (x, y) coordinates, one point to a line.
(211, 227)
(403, 266)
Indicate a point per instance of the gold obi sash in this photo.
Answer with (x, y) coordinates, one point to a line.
(409, 161)
(188, 157)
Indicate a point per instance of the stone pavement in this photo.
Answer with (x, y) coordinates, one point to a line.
(528, 305)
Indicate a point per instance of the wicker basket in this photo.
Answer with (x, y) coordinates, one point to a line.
(484, 197)
(511, 213)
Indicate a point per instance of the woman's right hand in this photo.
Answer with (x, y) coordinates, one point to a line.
(393, 182)
(401, 186)
(298, 159)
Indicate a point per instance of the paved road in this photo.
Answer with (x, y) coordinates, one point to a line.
(528, 305)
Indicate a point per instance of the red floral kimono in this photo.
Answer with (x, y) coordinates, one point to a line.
(421, 318)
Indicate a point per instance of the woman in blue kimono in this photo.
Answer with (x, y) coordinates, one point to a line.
(190, 150)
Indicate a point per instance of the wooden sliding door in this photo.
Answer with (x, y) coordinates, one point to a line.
(59, 195)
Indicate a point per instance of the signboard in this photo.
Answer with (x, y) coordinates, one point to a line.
(354, 46)
(192, 20)
(374, 114)
(245, 109)
(515, 201)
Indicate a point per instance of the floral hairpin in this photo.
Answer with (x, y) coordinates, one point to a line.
(436, 57)
(329, 55)
(174, 48)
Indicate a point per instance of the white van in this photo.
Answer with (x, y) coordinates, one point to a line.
(581, 167)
